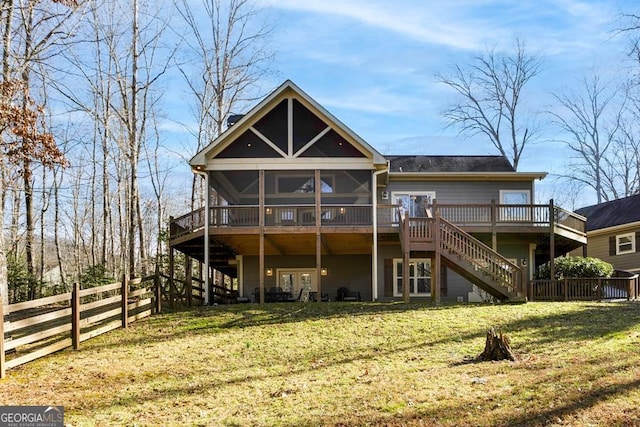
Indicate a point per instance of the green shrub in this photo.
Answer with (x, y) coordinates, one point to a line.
(572, 267)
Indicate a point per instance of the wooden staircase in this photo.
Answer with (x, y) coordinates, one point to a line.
(465, 255)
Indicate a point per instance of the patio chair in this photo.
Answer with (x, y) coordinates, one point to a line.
(291, 298)
(313, 297)
(276, 294)
(344, 294)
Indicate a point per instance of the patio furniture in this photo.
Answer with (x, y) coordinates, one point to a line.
(344, 294)
(290, 297)
(313, 297)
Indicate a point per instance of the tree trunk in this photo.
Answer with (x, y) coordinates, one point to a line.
(497, 347)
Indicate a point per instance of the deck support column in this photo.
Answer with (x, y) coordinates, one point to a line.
(318, 211)
(436, 269)
(261, 265)
(406, 257)
(494, 234)
(188, 277)
(172, 283)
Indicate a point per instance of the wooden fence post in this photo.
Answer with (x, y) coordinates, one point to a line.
(600, 293)
(3, 368)
(75, 316)
(565, 289)
(157, 293)
(531, 290)
(125, 302)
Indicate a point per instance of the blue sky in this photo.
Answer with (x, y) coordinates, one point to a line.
(372, 63)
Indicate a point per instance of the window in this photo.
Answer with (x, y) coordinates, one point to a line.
(415, 204)
(419, 277)
(625, 243)
(302, 184)
(509, 209)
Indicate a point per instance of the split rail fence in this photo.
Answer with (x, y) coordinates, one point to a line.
(37, 328)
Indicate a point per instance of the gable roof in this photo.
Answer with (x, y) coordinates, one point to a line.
(449, 164)
(288, 88)
(613, 213)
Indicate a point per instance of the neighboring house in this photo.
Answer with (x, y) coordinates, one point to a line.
(300, 202)
(613, 232)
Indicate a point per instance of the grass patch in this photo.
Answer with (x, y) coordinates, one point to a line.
(349, 364)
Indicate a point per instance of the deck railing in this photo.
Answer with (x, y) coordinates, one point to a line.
(480, 256)
(465, 215)
(587, 289)
(509, 215)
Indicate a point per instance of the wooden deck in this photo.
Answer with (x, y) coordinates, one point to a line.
(302, 219)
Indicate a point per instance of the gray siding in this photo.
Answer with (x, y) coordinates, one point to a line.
(352, 271)
(460, 192)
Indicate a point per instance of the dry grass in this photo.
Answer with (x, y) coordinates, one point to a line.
(349, 364)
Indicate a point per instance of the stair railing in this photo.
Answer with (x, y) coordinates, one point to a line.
(478, 255)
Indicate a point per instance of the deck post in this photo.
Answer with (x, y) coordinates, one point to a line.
(172, 283)
(406, 256)
(207, 243)
(318, 215)
(3, 367)
(261, 265)
(437, 265)
(188, 279)
(494, 234)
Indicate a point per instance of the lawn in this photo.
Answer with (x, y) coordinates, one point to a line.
(349, 364)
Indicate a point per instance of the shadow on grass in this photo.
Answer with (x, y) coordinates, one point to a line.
(561, 325)
(593, 320)
(440, 413)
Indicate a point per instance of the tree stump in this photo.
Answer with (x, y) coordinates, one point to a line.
(497, 347)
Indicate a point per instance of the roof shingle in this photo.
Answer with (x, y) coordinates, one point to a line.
(449, 164)
(610, 214)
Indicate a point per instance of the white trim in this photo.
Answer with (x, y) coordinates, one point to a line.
(515, 191)
(267, 141)
(466, 176)
(313, 141)
(632, 242)
(397, 274)
(613, 229)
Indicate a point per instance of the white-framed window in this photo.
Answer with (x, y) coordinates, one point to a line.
(419, 277)
(511, 212)
(625, 243)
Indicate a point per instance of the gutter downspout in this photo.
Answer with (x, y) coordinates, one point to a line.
(207, 287)
(374, 261)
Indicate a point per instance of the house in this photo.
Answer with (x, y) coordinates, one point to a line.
(301, 205)
(613, 232)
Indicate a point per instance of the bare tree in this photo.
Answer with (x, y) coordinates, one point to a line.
(229, 50)
(489, 102)
(589, 123)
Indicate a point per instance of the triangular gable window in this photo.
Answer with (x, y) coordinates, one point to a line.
(306, 126)
(274, 126)
(331, 145)
(248, 145)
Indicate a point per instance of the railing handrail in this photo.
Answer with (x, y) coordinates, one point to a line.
(498, 262)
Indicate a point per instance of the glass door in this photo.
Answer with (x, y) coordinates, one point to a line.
(298, 282)
(415, 204)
